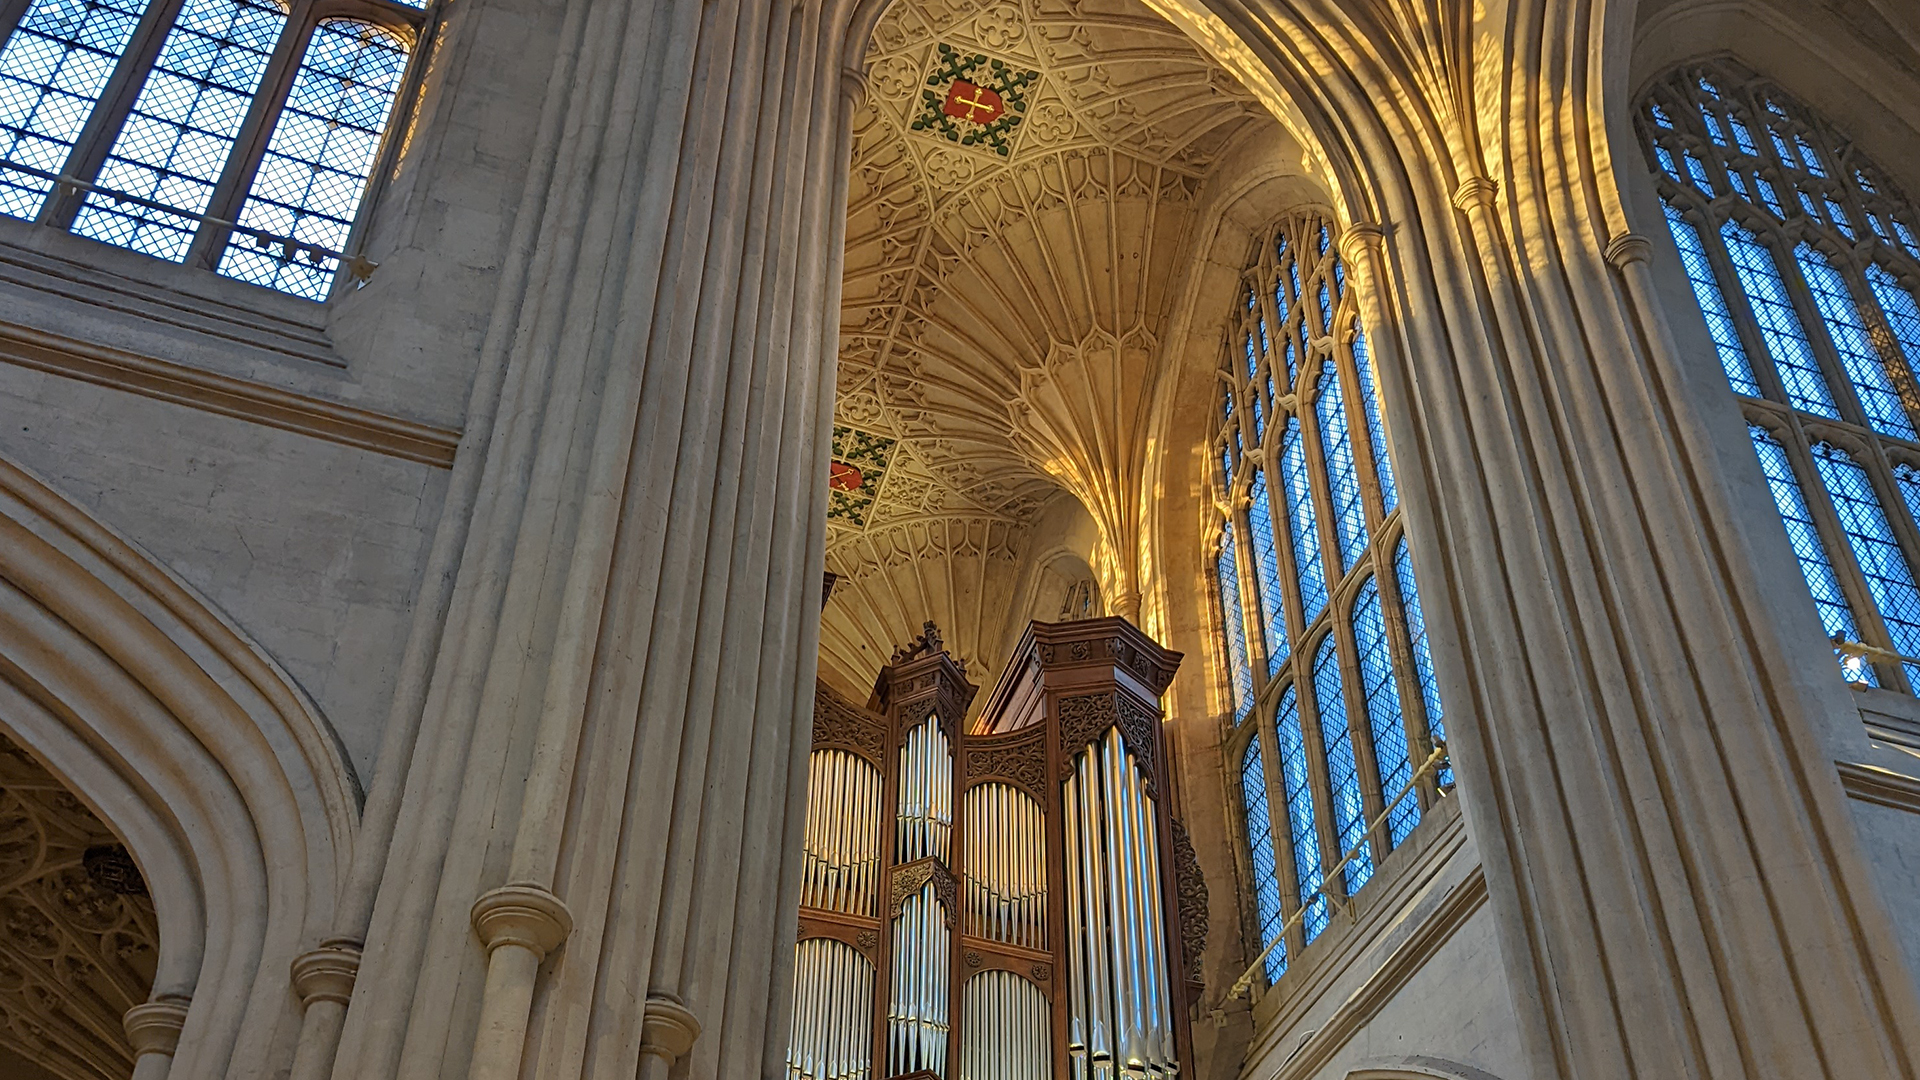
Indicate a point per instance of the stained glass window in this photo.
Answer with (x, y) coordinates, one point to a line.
(1324, 543)
(1801, 283)
(52, 71)
(238, 115)
(1266, 876)
(1233, 617)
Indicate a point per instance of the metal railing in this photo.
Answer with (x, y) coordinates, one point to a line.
(1434, 762)
(358, 267)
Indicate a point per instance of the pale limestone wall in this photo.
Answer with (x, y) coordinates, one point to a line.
(315, 550)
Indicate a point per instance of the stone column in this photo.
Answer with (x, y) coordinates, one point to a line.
(606, 754)
(323, 981)
(153, 1028)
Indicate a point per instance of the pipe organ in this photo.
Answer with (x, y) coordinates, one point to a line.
(1037, 912)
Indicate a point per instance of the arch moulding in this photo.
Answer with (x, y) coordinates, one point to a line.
(223, 779)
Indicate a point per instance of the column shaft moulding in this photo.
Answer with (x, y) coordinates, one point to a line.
(994, 900)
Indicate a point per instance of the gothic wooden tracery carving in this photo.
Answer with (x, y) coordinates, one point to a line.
(78, 939)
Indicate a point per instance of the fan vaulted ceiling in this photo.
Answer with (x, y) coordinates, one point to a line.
(1023, 191)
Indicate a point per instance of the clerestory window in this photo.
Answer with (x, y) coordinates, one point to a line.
(1328, 669)
(233, 135)
(1804, 261)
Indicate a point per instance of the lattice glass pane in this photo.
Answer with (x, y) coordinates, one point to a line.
(1901, 312)
(1266, 873)
(1384, 720)
(1888, 574)
(316, 166)
(1233, 617)
(1266, 557)
(1300, 514)
(1376, 431)
(1297, 789)
(1866, 368)
(1713, 305)
(1779, 323)
(52, 71)
(1343, 771)
(1343, 481)
(1816, 563)
(1422, 651)
(172, 148)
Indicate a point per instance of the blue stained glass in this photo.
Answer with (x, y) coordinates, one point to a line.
(1714, 130)
(1326, 310)
(1325, 240)
(1293, 363)
(1740, 183)
(1785, 151)
(1713, 304)
(1253, 358)
(1660, 117)
(1343, 771)
(1779, 323)
(1806, 202)
(315, 170)
(1697, 169)
(1889, 578)
(1384, 721)
(1300, 513)
(1902, 313)
(1266, 877)
(1234, 618)
(1906, 236)
(1808, 156)
(1665, 158)
(1838, 215)
(1339, 279)
(1816, 565)
(1293, 275)
(1908, 479)
(1771, 197)
(1866, 368)
(174, 144)
(1265, 345)
(52, 72)
(1266, 558)
(1343, 480)
(1741, 135)
(1259, 417)
(1297, 789)
(1422, 649)
(1376, 431)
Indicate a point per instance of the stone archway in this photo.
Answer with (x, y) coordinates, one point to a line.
(223, 780)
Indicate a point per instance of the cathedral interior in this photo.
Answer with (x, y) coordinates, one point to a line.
(959, 539)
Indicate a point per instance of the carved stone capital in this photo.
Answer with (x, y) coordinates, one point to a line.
(1361, 239)
(529, 916)
(669, 1029)
(1475, 192)
(326, 973)
(1628, 248)
(853, 83)
(154, 1027)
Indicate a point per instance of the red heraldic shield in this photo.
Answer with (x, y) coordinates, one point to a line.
(974, 104)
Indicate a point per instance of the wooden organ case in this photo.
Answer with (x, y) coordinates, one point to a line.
(1005, 899)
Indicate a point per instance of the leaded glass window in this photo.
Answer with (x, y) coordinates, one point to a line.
(1344, 700)
(1802, 258)
(233, 135)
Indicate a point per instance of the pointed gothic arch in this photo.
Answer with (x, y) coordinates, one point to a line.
(224, 781)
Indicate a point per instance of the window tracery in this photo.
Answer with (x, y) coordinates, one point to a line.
(1803, 260)
(1344, 707)
(234, 135)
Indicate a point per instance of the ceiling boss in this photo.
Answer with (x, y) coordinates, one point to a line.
(974, 100)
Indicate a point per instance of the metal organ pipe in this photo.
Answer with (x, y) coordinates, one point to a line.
(840, 858)
(1006, 865)
(1120, 1003)
(832, 1013)
(1006, 1031)
(917, 1012)
(925, 798)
